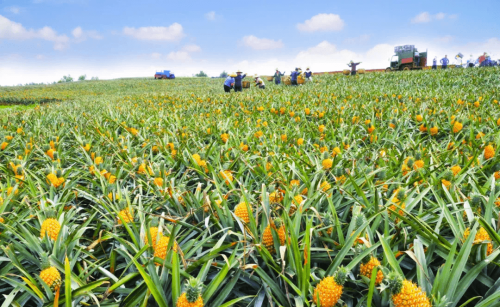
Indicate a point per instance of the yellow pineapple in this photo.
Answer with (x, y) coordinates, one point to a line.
(153, 231)
(241, 211)
(330, 288)
(481, 235)
(127, 213)
(405, 293)
(367, 266)
(267, 236)
(50, 226)
(50, 275)
(192, 296)
(161, 247)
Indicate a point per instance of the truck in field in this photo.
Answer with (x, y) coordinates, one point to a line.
(166, 74)
(407, 57)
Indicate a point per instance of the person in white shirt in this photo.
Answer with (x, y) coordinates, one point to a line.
(259, 82)
(470, 62)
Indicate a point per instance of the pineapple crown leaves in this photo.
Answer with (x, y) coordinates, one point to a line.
(193, 289)
(410, 162)
(359, 220)
(381, 175)
(418, 156)
(44, 260)
(340, 276)
(278, 222)
(401, 194)
(394, 282)
(339, 172)
(448, 175)
(476, 199)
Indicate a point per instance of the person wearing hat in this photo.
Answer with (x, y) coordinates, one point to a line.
(353, 67)
(229, 83)
(308, 75)
(237, 81)
(277, 77)
(294, 76)
(259, 82)
(470, 62)
(434, 63)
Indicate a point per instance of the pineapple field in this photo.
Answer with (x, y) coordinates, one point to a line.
(375, 190)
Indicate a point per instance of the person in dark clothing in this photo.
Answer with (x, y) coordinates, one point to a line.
(277, 77)
(353, 67)
(434, 63)
(294, 76)
(237, 81)
(229, 83)
(444, 62)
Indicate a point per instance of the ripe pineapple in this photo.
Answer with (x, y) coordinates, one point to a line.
(192, 296)
(367, 266)
(161, 247)
(267, 236)
(153, 231)
(489, 152)
(50, 226)
(481, 235)
(49, 274)
(241, 211)
(330, 289)
(406, 293)
(126, 213)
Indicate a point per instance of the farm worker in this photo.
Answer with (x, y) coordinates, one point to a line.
(259, 82)
(470, 62)
(434, 63)
(277, 77)
(308, 74)
(294, 76)
(444, 62)
(458, 61)
(353, 67)
(229, 83)
(237, 81)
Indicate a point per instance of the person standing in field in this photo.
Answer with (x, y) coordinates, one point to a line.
(259, 82)
(444, 62)
(308, 75)
(470, 62)
(237, 81)
(353, 67)
(434, 63)
(294, 76)
(277, 77)
(229, 83)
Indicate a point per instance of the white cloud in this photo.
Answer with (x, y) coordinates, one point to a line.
(425, 17)
(322, 22)
(15, 31)
(211, 16)
(261, 43)
(39, 57)
(181, 56)
(357, 40)
(191, 48)
(80, 35)
(13, 9)
(156, 55)
(445, 39)
(174, 32)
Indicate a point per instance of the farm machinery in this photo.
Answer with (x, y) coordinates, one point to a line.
(166, 74)
(407, 58)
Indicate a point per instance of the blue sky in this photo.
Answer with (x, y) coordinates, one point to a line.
(41, 40)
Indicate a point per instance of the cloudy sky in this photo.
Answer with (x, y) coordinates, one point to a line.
(42, 40)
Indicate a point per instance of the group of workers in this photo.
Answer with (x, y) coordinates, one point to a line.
(482, 61)
(234, 80)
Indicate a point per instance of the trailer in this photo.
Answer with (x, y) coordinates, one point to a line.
(407, 57)
(166, 74)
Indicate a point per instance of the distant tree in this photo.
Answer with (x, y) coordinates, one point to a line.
(201, 74)
(67, 78)
(94, 78)
(82, 78)
(223, 74)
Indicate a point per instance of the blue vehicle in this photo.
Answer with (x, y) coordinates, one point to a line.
(166, 74)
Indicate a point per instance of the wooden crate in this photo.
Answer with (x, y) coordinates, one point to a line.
(245, 84)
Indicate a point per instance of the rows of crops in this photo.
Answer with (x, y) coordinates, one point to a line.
(371, 190)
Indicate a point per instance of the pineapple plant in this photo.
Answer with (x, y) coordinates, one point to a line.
(267, 237)
(50, 226)
(49, 274)
(329, 290)
(405, 293)
(191, 297)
